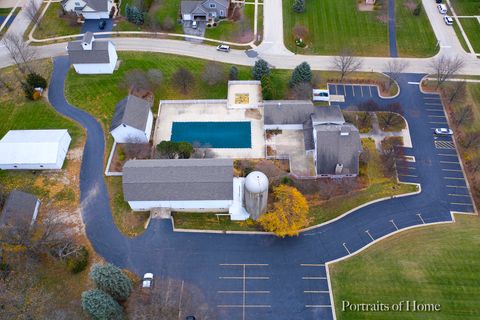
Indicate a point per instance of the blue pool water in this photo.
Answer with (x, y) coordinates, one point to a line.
(214, 134)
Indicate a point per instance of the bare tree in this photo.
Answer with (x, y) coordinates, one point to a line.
(443, 68)
(346, 63)
(19, 51)
(302, 91)
(463, 115)
(137, 79)
(31, 11)
(213, 73)
(394, 69)
(183, 79)
(457, 93)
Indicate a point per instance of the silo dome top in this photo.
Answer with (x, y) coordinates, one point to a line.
(256, 182)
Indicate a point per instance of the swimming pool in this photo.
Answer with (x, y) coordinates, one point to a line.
(214, 134)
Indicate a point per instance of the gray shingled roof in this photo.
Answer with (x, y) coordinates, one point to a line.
(98, 5)
(308, 140)
(178, 180)
(200, 7)
(334, 148)
(326, 115)
(18, 209)
(287, 111)
(98, 54)
(132, 111)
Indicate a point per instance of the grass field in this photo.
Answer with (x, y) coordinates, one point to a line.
(239, 31)
(471, 26)
(460, 37)
(435, 264)
(466, 7)
(52, 25)
(333, 25)
(415, 37)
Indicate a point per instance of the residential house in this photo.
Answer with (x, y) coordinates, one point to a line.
(179, 184)
(20, 209)
(90, 56)
(89, 9)
(204, 10)
(34, 149)
(133, 120)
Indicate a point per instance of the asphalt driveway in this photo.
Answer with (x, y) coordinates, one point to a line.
(259, 276)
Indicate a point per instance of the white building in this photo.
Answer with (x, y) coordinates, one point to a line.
(89, 9)
(90, 56)
(133, 121)
(34, 149)
(179, 184)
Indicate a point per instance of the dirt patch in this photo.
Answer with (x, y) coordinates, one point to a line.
(365, 7)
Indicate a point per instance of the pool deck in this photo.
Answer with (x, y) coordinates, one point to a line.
(170, 111)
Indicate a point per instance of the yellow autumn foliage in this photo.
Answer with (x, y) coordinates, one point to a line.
(289, 213)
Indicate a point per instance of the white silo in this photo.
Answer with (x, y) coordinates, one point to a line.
(256, 194)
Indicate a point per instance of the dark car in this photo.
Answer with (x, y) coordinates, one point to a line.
(438, 1)
(102, 24)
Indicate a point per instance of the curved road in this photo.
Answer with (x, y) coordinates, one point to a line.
(277, 271)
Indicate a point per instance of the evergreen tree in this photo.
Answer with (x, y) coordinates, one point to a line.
(36, 80)
(112, 280)
(260, 69)
(233, 75)
(185, 150)
(301, 73)
(299, 6)
(267, 89)
(100, 306)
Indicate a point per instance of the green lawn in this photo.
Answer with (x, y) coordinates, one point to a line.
(333, 25)
(466, 7)
(460, 36)
(437, 264)
(210, 221)
(53, 26)
(239, 31)
(415, 37)
(472, 29)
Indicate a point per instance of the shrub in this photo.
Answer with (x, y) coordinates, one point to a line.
(418, 9)
(299, 6)
(260, 69)
(121, 154)
(79, 262)
(36, 80)
(100, 306)
(134, 15)
(287, 180)
(28, 90)
(112, 280)
(267, 90)
(233, 74)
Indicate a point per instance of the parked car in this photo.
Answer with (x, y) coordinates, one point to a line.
(438, 1)
(194, 24)
(320, 95)
(147, 281)
(102, 24)
(190, 318)
(442, 8)
(444, 131)
(448, 20)
(223, 48)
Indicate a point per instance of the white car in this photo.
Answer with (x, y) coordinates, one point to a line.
(320, 95)
(448, 20)
(147, 281)
(223, 48)
(194, 24)
(442, 8)
(444, 131)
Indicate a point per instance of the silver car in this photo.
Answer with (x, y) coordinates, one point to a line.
(443, 131)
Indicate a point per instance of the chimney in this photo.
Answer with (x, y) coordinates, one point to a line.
(87, 41)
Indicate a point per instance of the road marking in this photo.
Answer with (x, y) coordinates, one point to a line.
(420, 216)
(444, 144)
(433, 116)
(458, 195)
(243, 292)
(454, 170)
(180, 301)
(345, 246)
(435, 110)
(436, 98)
(447, 155)
(361, 90)
(413, 82)
(456, 162)
(370, 89)
(461, 203)
(312, 264)
(394, 224)
(314, 278)
(353, 91)
(313, 291)
(434, 122)
(432, 104)
(407, 175)
(317, 306)
(462, 187)
(409, 168)
(453, 178)
(367, 232)
(345, 91)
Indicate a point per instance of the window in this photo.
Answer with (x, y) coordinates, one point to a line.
(41, 166)
(77, 4)
(15, 166)
(213, 5)
(222, 13)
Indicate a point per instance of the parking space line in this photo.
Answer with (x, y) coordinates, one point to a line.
(434, 122)
(434, 116)
(361, 90)
(353, 90)
(367, 232)
(370, 89)
(447, 155)
(454, 170)
(460, 187)
(345, 91)
(456, 162)
(318, 306)
(461, 203)
(432, 104)
(409, 168)
(312, 265)
(314, 291)
(453, 178)
(435, 110)
(345, 246)
(458, 195)
(314, 278)
(407, 175)
(420, 216)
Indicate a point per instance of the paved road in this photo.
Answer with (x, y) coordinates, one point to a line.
(272, 43)
(392, 32)
(259, 276)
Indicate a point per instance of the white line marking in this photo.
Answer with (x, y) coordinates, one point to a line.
(435, 110)
(461, 203)
(314, 278)
(408, 175)
(432, 104)
(420, 216)
(370, 89)
(409, 168)
(313, 291)
(412, 82)
(456, 162)
(437, 122)
(452, 178)
(361, 90)
(180, 301)
(434, 116)
(312, 264)
(366, 231)
(462, 187)
(447, 155)
(394, 224)
(454, 170)
(458, 195)
(317, 306)
(345, 246)
(435, 98)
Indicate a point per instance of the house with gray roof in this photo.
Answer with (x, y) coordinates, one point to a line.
(337, 150)
(204, 10)
(179, 184)
(90, 56)
(132, 121)
(20, 210)
(89, 9)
